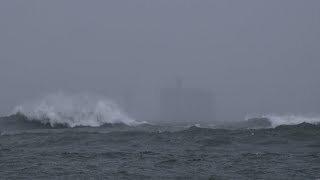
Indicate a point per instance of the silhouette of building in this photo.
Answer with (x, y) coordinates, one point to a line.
(186, 105)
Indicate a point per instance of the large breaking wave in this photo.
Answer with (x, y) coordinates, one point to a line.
(74, 110)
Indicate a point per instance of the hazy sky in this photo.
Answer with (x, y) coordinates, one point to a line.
(257, 56)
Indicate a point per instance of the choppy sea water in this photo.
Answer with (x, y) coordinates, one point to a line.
(30, 150)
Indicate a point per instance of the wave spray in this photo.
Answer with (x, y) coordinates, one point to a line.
(74, 110)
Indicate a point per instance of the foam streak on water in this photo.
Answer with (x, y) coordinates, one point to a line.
(74, 110)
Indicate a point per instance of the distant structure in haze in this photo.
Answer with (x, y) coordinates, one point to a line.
(186, 105)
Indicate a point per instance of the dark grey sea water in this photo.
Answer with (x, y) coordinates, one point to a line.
(33, 151)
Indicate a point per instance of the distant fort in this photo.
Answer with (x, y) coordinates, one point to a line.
(186, 105)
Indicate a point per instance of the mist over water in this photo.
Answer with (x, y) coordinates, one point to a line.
(252, 59)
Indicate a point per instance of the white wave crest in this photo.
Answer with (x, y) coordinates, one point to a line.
(277, 120)
(74, 110)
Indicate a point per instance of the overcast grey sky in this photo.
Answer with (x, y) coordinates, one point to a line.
(258, 56)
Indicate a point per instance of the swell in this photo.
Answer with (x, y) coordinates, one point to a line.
(194, 136)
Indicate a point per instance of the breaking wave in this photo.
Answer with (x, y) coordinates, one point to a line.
(74, 110)
(278, 120)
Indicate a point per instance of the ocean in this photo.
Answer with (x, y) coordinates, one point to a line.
(33, 150)
(89, 138)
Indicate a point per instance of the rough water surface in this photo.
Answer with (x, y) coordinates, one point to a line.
(118, 151)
